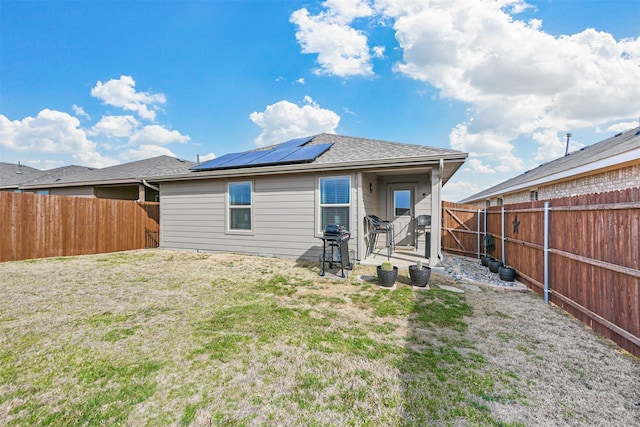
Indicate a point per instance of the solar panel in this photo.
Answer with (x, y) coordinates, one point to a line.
(273, 156)
(306, 154)
(246, 158)
(217, 162)
(292, 143)
(292, 151)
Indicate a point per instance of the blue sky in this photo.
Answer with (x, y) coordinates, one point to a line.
(98, 83)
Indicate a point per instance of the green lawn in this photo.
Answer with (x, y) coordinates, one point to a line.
(164, 338)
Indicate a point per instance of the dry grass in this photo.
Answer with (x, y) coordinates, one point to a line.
(172, 338)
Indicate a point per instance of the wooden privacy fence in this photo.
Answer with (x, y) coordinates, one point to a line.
(582, 253)
(462, 228)
(38, 226)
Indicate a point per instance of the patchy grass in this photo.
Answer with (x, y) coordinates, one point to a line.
(164, 338)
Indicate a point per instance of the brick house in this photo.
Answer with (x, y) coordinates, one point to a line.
(611, 164)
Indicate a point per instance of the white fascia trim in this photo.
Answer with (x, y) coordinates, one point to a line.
(628, 156)
(310, 167)
(126, 181)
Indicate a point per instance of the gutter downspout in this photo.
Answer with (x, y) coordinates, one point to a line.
(153, 187)
(142, 194)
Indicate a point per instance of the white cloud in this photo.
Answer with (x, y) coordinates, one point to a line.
(145, 151)
(622, 126)
(51, 132)
(205, 157)
(525, 88)
(491, 146)
(378, 51)
(156, 134)
(53, 137)
(79, 111)
(458, 190)
(121, 93)
(342, 50)
(550, 146)
(116, 126)
(284, 120)
(478, 166)
(300, 80)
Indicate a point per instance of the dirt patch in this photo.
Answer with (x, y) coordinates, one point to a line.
(568, 374)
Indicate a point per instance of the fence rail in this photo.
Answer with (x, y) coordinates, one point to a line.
(581, 253)
(461, 227)
(38, 226)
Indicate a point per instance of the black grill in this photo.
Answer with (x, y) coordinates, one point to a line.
(335, 247)
(333, 230)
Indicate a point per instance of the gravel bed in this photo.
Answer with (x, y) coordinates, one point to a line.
(471, 270)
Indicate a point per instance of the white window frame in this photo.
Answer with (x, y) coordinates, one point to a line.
(320, 205)
(229, 207)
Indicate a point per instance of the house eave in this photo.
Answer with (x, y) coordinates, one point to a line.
(128, 181)
(315, 167)
(626, 157)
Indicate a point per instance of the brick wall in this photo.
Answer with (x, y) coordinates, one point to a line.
(619, 179)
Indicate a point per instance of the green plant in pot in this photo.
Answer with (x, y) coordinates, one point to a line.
(419, 274)
(387, 274)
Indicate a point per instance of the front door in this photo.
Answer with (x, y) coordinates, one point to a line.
(400, 202)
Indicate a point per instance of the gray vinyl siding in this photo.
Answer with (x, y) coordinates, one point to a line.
(72, 191)
(370, 194)
(285, 223)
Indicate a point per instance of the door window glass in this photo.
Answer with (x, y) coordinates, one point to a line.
(402, 202)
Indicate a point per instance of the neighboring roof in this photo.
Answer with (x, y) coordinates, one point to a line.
(126, 173)
(346, 152)
(12, 174)
(620, 148)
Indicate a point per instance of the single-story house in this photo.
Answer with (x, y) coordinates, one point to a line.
(127, 181)
(278, 200)
(13, 175)
(611, 164)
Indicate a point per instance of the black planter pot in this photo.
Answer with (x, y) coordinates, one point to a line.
(495, 265)
(419, 277)
(485, 260)
(507, 274)
(387, 278)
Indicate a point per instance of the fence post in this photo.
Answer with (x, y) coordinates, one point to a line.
(485, 229)
(479, 233)
(546, 252)
(502, 226)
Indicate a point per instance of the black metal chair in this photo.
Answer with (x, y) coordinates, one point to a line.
(379, 226)
(422, 222)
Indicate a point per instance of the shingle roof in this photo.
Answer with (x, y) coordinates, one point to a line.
(346, 152)
(616, 145)
(350, 149)
(123, 173)
(12, 174)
